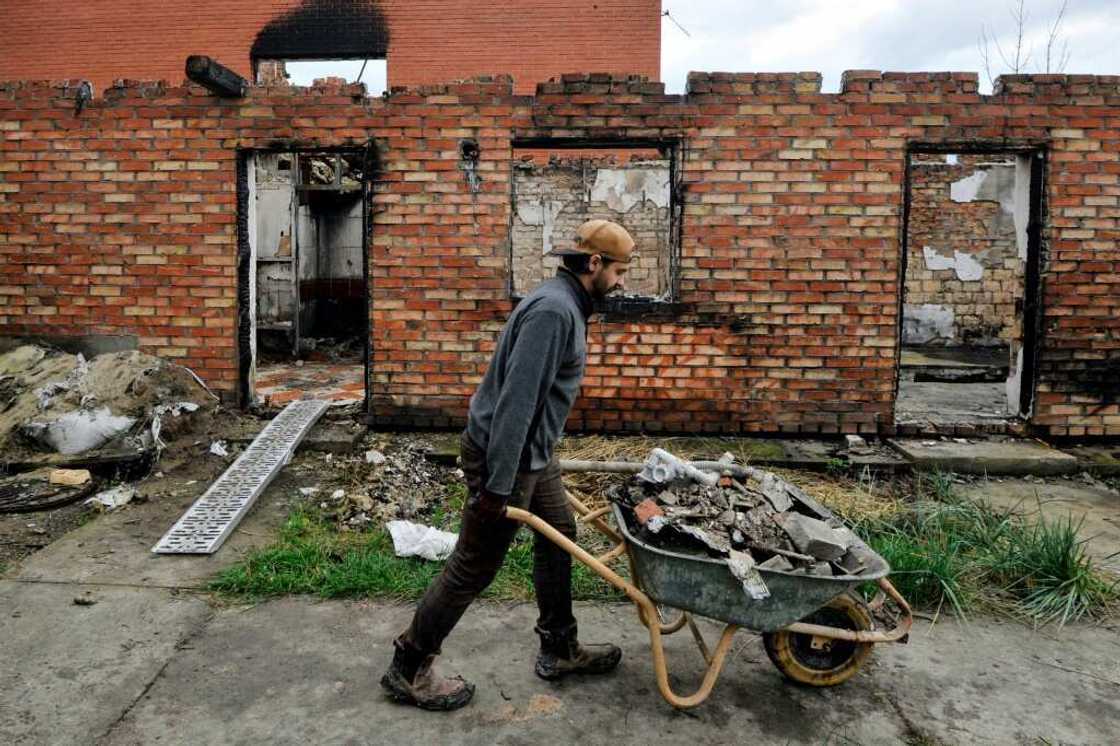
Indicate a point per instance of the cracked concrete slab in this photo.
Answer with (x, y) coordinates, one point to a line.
(1012, 457)
(992, 682)
(70, 671)
(117, 547)
(298, 672)
(1095, 507)
(303, 672)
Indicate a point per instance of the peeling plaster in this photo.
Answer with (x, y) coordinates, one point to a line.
(927, 323)
(965, 265)
(535, 213)
(993, 183)
(965, 189)
(623, 188)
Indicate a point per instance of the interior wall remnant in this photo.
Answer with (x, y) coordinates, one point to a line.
(275, 251)
(331, 279)
(552, 199)
(272, 72)
(967, 239)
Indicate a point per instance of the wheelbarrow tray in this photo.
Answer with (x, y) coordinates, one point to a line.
(706, 587)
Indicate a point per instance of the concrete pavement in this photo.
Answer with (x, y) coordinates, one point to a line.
(152, 660)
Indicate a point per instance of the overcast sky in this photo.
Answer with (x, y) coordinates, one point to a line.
(830, 36)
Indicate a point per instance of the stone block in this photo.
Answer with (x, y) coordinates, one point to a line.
(815, 538)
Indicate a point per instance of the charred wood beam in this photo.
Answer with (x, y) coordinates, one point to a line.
(215, 77)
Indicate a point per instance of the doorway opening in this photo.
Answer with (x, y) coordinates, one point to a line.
(307, 297)
(970, 291)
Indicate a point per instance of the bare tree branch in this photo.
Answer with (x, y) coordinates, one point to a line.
(985, 54)
(1016, 58)
(1022, 57)
(1056, 59)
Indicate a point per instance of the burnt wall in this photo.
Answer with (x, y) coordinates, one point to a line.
(122, 220)
(423, 42)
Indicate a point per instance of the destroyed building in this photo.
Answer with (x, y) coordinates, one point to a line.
(784, 264)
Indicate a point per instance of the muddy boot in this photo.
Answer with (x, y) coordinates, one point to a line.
(410, 680)
(562, 654)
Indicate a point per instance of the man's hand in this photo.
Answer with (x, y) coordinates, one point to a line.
(490, 507)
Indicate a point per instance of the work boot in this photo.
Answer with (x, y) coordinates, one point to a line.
(413, 682)
(561, 654)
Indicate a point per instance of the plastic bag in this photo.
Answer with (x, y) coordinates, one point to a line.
(415, 540)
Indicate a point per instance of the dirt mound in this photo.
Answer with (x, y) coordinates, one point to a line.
(40, 388)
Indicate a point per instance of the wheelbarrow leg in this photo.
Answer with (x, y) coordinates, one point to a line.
(715, 666)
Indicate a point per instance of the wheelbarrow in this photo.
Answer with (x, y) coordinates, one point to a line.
(816, 630)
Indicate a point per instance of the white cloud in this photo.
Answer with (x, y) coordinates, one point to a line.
(829, 36)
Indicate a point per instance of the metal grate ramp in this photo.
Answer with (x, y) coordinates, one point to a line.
(207, 523)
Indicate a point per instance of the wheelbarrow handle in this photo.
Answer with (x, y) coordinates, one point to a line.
(647, 613)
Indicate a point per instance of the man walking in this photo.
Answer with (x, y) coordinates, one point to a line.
(516, 417)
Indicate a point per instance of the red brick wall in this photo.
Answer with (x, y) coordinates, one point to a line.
(122, 220)
(430, 41)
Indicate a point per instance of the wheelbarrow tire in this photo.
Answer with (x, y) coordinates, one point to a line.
(831, 662)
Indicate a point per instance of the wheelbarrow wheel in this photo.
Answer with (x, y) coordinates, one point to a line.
(817, 661)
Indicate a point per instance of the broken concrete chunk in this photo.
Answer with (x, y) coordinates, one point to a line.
(776, 563)
(713, 541)
(809, 503)
(856, 559)
(814, 537)
(70, 477)
(821, 568)
(743, 568)
(774, 490)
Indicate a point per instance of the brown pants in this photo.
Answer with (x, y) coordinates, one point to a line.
(481, 549)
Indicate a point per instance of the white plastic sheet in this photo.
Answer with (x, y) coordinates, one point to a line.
(114, 498)
(415, 540)
(77, 432)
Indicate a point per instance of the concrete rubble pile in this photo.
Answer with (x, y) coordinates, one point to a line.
(754, 519)
(380, 487)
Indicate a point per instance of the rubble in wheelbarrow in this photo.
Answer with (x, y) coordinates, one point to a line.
(754, 519)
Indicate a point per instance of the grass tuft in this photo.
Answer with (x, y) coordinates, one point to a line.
(970, 555)
(312, 557)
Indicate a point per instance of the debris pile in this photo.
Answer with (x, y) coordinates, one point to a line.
(57, 402)
(755, 519)
(383, 486)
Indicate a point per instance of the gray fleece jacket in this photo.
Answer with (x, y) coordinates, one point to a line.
(532, 381)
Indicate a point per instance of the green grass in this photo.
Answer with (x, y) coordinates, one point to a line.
(943, 550)
(312, 557)
(972, 556)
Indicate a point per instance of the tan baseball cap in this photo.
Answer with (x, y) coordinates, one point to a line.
(603, 237)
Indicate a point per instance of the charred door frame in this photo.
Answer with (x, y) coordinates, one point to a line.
(1032, 313)
(245, 299)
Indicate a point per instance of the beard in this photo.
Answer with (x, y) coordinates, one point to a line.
(600, 289)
